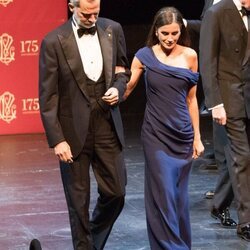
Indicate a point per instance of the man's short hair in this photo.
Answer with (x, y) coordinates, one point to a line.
(76, 3)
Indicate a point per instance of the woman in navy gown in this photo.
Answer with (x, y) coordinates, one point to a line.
(170, 132)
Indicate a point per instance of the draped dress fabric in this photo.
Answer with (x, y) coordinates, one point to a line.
(167, 138)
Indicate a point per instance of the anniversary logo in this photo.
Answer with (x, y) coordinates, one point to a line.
(7, 107)
(19, 56)
(6, 49)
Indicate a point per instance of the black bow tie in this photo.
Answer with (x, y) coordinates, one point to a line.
(86, 31)
(245, 12)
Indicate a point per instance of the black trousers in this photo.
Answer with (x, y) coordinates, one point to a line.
(238, 131)
(224, 195)
(103, 152)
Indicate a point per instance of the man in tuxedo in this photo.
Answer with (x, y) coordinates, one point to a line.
(225, 71)
(83, 71)
(223, 194)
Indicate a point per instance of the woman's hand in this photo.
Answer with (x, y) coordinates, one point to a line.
(198, 148)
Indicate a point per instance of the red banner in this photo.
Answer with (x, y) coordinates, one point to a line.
(24, 23)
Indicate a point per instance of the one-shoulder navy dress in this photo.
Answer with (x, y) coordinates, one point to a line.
(167, 138)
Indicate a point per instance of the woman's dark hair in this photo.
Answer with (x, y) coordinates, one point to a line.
(165, 16)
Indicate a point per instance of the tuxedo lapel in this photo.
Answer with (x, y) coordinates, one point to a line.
(234, 21)
(208, 4)
(71, 52)
(106, 40)
(72, 55)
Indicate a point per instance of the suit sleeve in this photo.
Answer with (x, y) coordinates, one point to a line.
(48, 93)
(209, 55)
(121, 79)
(194, 26)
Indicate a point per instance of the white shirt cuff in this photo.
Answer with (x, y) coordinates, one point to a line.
(217, 106)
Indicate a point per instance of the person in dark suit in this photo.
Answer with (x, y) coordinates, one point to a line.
(225, 71)
(223, 194)
(193, 28)
(83, 71)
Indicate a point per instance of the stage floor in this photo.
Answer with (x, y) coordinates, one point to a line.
(32, 203)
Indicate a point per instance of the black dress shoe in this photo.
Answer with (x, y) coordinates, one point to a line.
(244, 232)
(224, 217)
(35, 245)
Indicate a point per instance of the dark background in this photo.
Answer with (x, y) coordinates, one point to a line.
(142, 11)
(136, 17)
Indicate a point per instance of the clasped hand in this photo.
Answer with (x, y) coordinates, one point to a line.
(111, 96)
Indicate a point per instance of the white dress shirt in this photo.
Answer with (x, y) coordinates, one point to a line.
(90, 52)
(239, 7)
(215, 1)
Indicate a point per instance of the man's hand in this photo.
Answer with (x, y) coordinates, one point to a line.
(111, 97)
(219, 115)
(63, 152)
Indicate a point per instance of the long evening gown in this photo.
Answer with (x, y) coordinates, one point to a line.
(167, 138)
